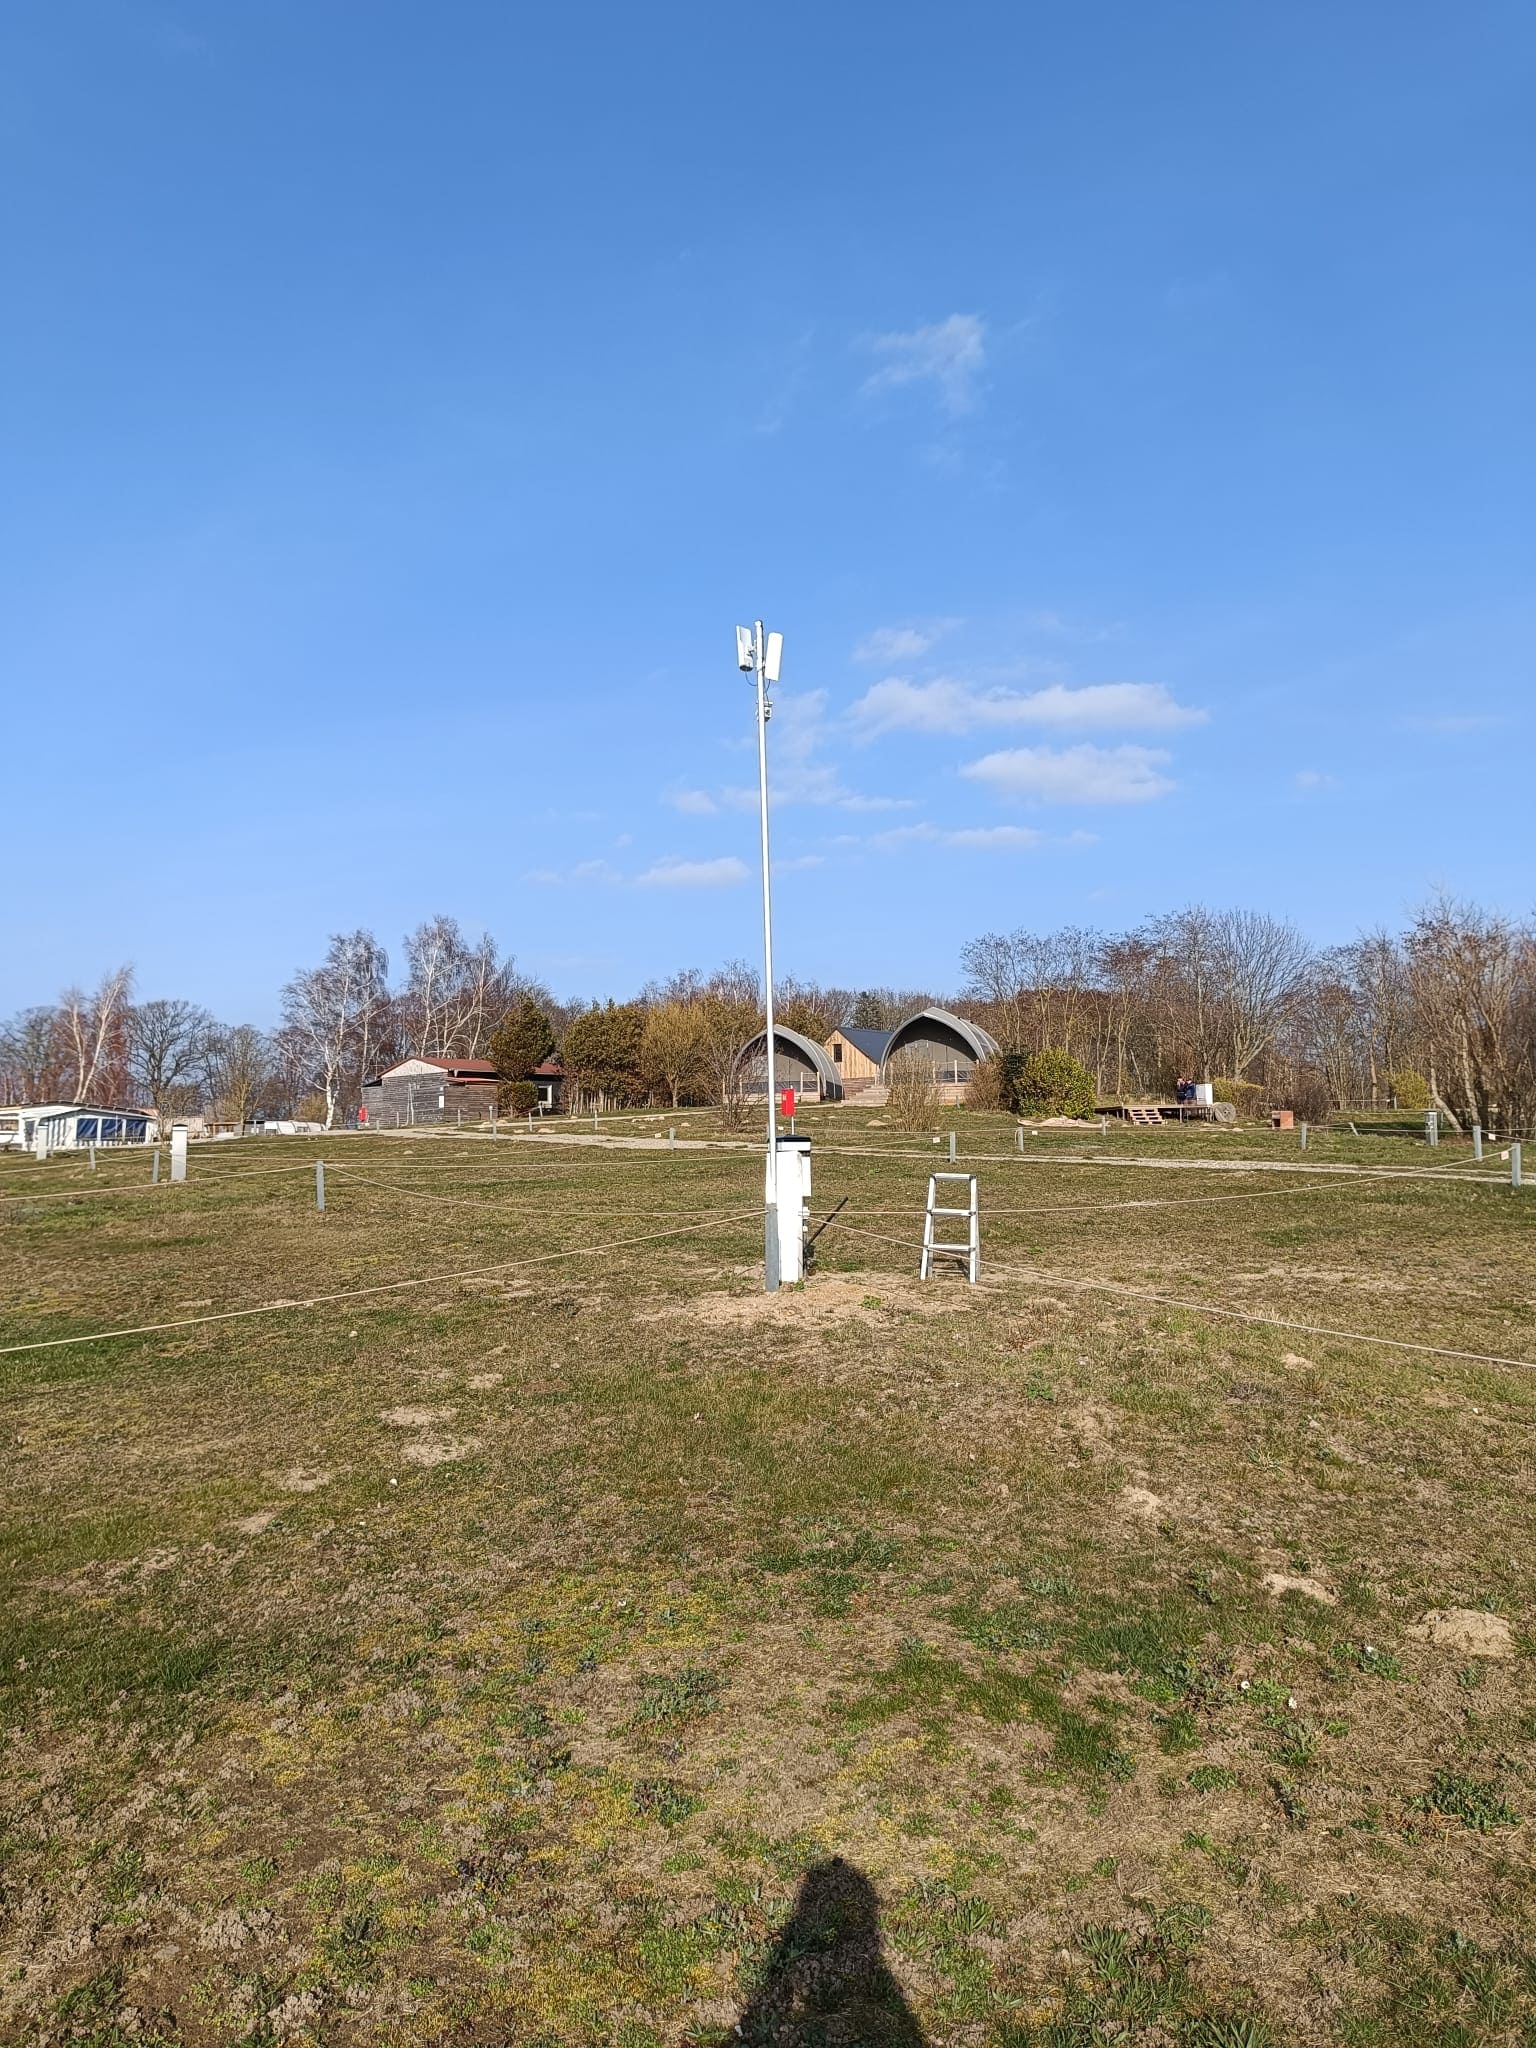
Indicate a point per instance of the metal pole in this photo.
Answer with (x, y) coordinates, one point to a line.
(1432, 1126)
(1514, 1166)
(320, 1185)
(951, 1148)
(672, 1139)
(1019, 1135)
(771, 1206)
(155, 1176)
(1477, 1141)
(1303, 1137)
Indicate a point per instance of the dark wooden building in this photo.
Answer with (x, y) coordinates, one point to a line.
(430, 1091)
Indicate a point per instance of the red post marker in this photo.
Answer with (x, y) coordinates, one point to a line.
(787, 1103)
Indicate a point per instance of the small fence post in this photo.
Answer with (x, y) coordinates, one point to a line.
(594, 1120)
(155, 1174)
(1432, 1126)
(1514, 1166)
(1304, 1137)
(1018, 1132)
(320, 1185)
(951, 1148)
(1477, 1141)
(672, 1138)
(93, 1158)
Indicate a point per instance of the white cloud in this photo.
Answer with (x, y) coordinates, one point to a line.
(949, 354)
(1074, 775)
(723, 873)
(902, 643)
(796, 773)
(798, 863)
(980, 838)
(951, 706)
(1314, 781)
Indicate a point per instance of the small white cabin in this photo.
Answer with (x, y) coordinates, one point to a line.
(71, 1126)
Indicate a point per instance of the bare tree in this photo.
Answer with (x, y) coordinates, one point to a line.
(92, 1026)
(239, 1068)
(331, 1015)
(167, 1042)
(1262, 965)
(35, 1060)
(1473, 980)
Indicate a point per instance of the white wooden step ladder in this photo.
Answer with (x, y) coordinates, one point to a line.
(935, 1246)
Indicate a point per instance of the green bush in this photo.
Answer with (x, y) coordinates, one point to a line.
(1246, 1097)
(1052, 1083)
(518, 1098)
(1409, 1090)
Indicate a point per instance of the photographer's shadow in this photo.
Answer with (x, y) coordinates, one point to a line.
(826, 1984)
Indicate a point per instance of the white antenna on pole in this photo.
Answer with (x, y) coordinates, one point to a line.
(761, 658)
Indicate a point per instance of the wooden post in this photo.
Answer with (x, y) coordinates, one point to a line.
(320, 1185)
(672, 1138)
(951, 1148)
(178, 1151)
(1514, 1166)
(1432, 1126)
(1477, 1141)
(1303, 1137)
(155, 1173)
(93, 1155)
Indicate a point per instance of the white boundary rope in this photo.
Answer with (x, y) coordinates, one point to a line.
(269, 1308)
(1033, 1275)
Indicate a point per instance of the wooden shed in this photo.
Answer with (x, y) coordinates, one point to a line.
(858, 1053)
(430, 1091)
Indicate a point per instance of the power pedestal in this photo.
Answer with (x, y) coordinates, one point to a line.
(794, 1211)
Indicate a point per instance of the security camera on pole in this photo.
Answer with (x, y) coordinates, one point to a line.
(759, 654)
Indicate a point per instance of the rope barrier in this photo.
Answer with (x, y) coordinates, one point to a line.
(497, 1208)
(1120, 1288)
(1239, 1315)
(147, 1187)
(268, 1308)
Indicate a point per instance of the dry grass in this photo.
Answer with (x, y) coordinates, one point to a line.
(488, 1660)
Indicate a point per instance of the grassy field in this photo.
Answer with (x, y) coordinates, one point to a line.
(567, 1649)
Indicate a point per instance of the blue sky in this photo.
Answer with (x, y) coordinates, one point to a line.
(1125, 414)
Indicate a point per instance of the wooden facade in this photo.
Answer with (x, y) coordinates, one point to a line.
(430, 1091)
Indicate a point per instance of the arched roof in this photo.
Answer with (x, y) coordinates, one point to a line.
(815, 1056)
(980, 1044)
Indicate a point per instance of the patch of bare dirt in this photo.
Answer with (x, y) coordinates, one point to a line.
(1299, 1582)
(1142, 1501)
(304, 1479)
(482, 1382)
(823, 1302)
(430, 1451)
(252, 1525)
(1466, 1630)
(415, 1418)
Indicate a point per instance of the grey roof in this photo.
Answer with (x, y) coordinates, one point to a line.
(870, 1042)
(815, 1056)
(983, 1046)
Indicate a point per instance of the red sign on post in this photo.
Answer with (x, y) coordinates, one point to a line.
(787, 1103)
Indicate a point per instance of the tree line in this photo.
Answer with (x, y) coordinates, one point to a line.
(1442, 1014)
